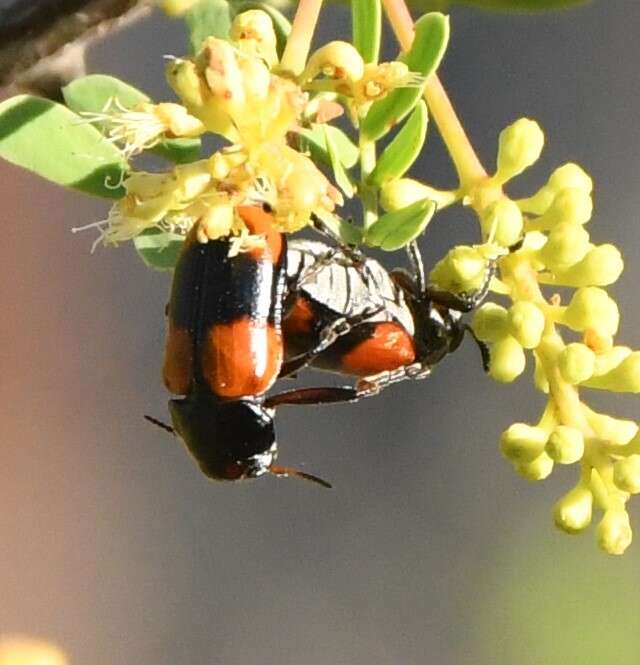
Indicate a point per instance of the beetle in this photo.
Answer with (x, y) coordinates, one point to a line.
(413, 328)
(224, 350)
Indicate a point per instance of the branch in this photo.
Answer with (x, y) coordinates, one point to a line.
(42, 42)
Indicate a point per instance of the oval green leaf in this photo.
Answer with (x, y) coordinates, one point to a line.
(403, 151)
(314, 141)
(159, 249)
(94, 93)
(397, 229)
(50, 140)
(429, 45)
(209, 18)
(340, 174)
(366, 16)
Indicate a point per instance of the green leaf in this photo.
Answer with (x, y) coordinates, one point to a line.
(366, 16)
(281, 24)
(339, 172)
(349, 233)
(314, 141)
(397, 229)
(92, 94)
(52, 141)
(209, 18)
(159, 249)
(400, 154)
(429, 45)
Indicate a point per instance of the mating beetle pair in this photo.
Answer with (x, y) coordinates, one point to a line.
(239, 321)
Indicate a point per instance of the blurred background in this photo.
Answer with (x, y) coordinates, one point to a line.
(429, 549)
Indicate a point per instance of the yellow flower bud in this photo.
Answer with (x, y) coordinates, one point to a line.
(337, 60)
(220, 63)
(614, 531)
(626, 474)
(522, 442)
(28, 651)
(178, 121)
(400, 193)
(463, 269)
(572, 513)
(625, 378)
(503, 221)
(576, 363)
(592, 307)
(601, 266)
(539, 469)
(612, 430)
(607, 360)
(570, 205)
(565, 445)
(526, 323)
(567, 244)
(185, 81)
(568, 175)
(507, 360)
(490, 322)
(253, 32)
(519, 146)
(215, 223)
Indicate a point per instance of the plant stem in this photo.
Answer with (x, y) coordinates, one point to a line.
(368, 196)
(468, 166)
(299, 41)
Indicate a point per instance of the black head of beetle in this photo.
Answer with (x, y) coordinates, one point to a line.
(439, 330)
(229, 439)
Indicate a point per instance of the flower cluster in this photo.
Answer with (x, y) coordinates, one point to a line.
(230, 88)
(543, 242)
(339, 68)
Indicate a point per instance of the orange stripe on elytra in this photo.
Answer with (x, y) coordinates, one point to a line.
(260, 222)
(178, 360)
(389, 347)
(241, 358)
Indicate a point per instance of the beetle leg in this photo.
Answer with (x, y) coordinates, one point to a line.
(372, 385)
(463, 302)
(484, 349)
(328, 336)
(321, 395)
(417, 266)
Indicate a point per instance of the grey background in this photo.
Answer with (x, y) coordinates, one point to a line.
(429, 549)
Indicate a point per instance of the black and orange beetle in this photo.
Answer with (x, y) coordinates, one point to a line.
(224, 350)
(413, 326)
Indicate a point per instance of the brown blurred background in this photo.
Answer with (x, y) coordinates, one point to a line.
(429, 549)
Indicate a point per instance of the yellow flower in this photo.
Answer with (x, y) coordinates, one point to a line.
(145, 125)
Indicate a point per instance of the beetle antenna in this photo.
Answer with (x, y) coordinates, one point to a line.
(285, 472)
(160, 424)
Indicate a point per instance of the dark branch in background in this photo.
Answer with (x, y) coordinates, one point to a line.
(43, 42)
